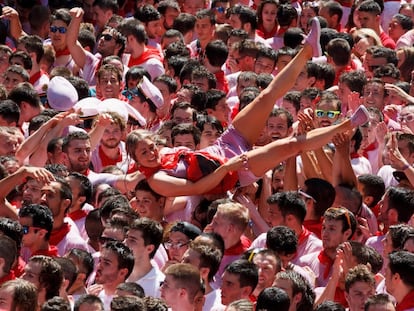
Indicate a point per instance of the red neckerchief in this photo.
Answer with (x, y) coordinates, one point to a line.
(7, 277)
(314, 226)
(146, 55)
(18, 269)
(340, 297)
(79, 214)
(152, 123)
(86, 172)
(52, 251)
(355, 155)
(63, 52)
(303, 235)
(376, 209)
(407, 302)
(326, 261)
(35, 77)
(58, 234)
(239, 248)
(222, 83)
(106, 161)
(370, 147)
(264, 34)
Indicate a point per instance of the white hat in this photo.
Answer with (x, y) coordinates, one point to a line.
(122, 108)
(89, 107)
(61, 94)
(151, 92)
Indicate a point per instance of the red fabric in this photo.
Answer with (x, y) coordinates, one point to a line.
(79, 214)
(327, 262)
(387, 41)
(239, 248)
(264, 34)
(222, 83)
(407, 302)
(7, 277)
(314, 226)
(146, 55)
(58, 234)
(62, 52)
(106, 161)
(370, 147)
(355, 155)
(52, 251)
(18, 269)
(199, 163)
(376, 209)
(340, 297)
(35, 77)
(352, 66)
(303, 235)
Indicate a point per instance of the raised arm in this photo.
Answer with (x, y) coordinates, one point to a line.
(63, 120)
(16, 30)
(28, 147)
(8, 183)
(77, 52)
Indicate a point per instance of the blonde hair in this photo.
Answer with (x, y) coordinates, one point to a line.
(367, 32)
(133, 139)
(235, 213)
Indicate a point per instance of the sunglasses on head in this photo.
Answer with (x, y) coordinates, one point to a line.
(329, 113)
(107, 37)
(55, 29)
(406, 118)
(130, 94)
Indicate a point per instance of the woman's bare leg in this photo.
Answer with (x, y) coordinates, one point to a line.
(252, 119)
(264, 158)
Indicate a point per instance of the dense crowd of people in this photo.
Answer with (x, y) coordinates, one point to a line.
(206, 155)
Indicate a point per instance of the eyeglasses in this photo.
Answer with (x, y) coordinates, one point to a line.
(306, 196)
(329, 113)
(178, 245)
(107, 37)
(406, 118)
(55, 29)
(339, 211)
(104, 239)
(26, 229)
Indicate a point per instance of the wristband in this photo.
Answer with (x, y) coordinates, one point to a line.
(405, 167)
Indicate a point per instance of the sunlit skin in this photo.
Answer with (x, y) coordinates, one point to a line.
(358, 294)
(269, 16)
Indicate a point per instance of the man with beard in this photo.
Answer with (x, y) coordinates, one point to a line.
(57, 196)
(115, 265)
(76, 148)
(111, 150)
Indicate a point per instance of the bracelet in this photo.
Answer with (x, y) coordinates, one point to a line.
(405, 167)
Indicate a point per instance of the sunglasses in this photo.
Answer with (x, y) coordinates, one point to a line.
(55, 29)
(107, 37)
(130, 94)
(406, 118)
(26, 229)
(330, 113)
(306, 196)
